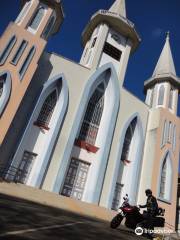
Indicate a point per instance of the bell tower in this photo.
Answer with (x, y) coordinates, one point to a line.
(161, 150)
(21, 47)
(163, 87)
(109, 37)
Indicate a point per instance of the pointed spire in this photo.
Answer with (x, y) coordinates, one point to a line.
(119, 7)
(165, 64)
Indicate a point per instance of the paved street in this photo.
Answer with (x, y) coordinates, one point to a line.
(20, 220)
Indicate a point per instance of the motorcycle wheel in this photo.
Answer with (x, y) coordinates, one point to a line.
(116, 221)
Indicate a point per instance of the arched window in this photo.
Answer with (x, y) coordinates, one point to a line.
(27, 61)
(128, 138)
(36, 20)
(5, 53)
(161, 95)
(49, 27)
(23, 12)
(92, 118)
(171, 99)
(166, 179)
(47, 110)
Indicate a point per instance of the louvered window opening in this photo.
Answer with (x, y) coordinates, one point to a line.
(112, 51)
(92, 118)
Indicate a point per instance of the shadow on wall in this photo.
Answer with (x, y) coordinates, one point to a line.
(20, 121)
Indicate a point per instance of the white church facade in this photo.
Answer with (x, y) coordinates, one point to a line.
(72, 128)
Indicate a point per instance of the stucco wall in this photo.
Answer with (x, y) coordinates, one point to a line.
(130, 107)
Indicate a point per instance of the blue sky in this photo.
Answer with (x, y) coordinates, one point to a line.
(152, 19)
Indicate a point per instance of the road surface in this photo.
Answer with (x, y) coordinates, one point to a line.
(24, 220)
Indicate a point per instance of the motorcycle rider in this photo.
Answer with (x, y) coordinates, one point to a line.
(152, 209)
(151, 204)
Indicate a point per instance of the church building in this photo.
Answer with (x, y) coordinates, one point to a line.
(72, 128)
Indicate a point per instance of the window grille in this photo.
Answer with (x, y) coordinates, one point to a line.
(75, 180)
(128, 138)
(112, 51)
(25, 167)
(92, 118)
(47, 110)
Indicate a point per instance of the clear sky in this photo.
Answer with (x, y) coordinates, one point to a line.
(152, 19)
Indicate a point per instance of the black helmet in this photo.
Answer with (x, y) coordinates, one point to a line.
(148, 192)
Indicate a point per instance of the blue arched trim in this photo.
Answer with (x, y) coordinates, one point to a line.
(64, 98)
(6, 91)
(62, 105)
(118, 156)
(90, 86)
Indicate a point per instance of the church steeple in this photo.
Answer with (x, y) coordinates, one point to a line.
(163, 87)
(119, 7)
(165, 64)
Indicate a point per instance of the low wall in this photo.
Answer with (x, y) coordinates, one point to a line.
(55, 200)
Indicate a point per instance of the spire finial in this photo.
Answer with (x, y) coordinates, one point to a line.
(167, 35)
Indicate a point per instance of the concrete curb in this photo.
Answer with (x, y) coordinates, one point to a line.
(55, 200)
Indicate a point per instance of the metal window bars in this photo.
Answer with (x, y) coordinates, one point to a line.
(12, 174)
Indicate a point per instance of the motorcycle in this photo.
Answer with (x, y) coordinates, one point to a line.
(133, 217)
